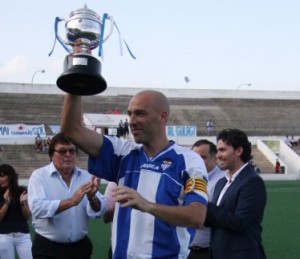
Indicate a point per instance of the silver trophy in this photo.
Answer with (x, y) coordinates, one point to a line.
(82, 71)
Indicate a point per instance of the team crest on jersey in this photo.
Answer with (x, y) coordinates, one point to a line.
(195, 184)
(166, 164)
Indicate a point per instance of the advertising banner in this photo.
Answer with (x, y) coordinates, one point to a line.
(21, 131)
(181, 131)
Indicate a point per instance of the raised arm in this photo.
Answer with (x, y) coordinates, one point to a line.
(71, 126)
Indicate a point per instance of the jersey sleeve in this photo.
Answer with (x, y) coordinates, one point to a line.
(195, 187)
(106, 165)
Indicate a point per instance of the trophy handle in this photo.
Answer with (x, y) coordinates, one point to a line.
(101, 38)
(57, 37)
(112, 23)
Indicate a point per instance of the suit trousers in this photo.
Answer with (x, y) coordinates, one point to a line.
(43, 248)
(198, 253)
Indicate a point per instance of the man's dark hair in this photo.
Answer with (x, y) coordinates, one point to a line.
(212, 146)
(236, 138)
(58, 138)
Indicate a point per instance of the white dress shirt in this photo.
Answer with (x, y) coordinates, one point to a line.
(46, 189)
(202, 236)
(230, 179)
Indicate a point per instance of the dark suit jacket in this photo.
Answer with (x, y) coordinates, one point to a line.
(236, 222)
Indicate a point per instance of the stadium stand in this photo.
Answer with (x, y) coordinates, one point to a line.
(25, 159)
(258, 115)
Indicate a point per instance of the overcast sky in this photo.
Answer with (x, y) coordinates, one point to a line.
(217, 44)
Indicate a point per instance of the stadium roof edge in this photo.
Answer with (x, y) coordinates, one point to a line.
(7, 87)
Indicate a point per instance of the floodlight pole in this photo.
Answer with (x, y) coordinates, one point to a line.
(38, 71)
(242, 85)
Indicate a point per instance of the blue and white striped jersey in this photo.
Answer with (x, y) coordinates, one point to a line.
(176, 176)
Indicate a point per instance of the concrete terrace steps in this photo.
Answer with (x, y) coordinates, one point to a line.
(265, 166)
(25, 159)
(46, 109)
(255, 116)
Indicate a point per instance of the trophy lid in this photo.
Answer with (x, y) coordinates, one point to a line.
(85, 13)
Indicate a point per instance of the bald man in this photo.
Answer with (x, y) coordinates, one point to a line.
(161, 186)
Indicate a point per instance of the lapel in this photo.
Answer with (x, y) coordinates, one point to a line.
(235, 185)
(218, 188)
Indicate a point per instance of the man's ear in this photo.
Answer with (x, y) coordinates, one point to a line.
(239, 151)
(164, 116)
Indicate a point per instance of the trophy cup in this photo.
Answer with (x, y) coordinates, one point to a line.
(82, 71)
(84, 32)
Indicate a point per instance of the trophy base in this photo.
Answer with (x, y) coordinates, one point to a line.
(81, 75)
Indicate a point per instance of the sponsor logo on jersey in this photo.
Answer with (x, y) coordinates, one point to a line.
(149, 166)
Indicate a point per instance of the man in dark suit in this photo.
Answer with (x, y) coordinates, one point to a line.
(236, 211)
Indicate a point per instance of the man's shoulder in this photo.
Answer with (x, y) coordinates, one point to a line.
(185, 152)
(41, 172)
(181, 148)
(189, 160)
(121, 146)
(217, 173)
(250, 174)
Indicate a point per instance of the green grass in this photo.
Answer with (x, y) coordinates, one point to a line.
(281, 226)
(99, 233)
